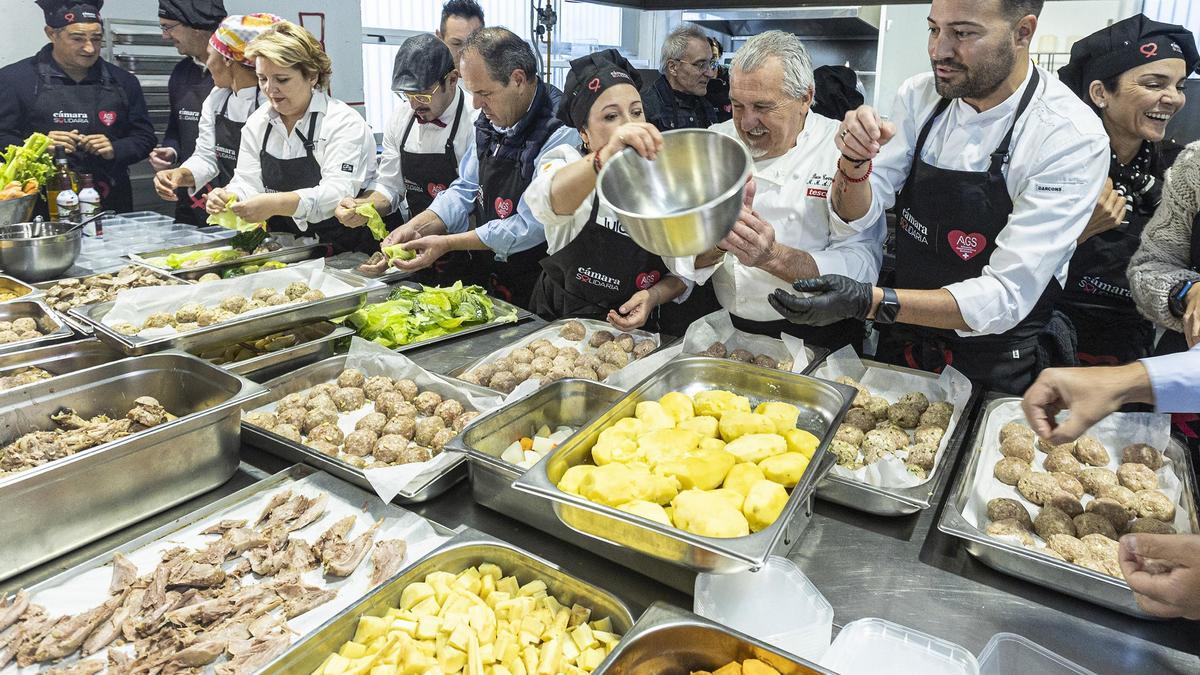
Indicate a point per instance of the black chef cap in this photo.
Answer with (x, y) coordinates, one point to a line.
(590, 75)
(62, 13)
(199, 14)
(836, 91)
(1125, 45)
(421, 62)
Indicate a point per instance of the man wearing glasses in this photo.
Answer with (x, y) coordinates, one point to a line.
(427, 136)
(189, 25)
(92, 109)
(677, 99)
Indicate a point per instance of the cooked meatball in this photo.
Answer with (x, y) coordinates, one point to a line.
(1051, 521)
(1016, 429)
(1037, 487)
(1154, 504)
(327, 432)
(349, 398)
(1011, 471)
(326, 388)
(617, 358)
(1003, 508)
(573, 331)
(449, 410)
(292, 416)
(564, 361)
(860, 418)
(1137, 477)
(464, 419)
(234, 303)
(1121, 494)
(936, 417)
(922, 455)
(1150, 526)
(904, 415)
(625, 341)
(917, 400)
(361, 442)
(1112, 509)
(716, 350)
(426, 429)
(188, 313)
(786, 365)
(559, 373)
(541, 365)
(324, 447)
(351, 377)
(1067, 546)
(1069, 484)
(441, 438)
(852, 435)
(295, 290)
(373, 422)
(1091, 451)
(1140, 453)
(547, 350)
(1047, 447)
(408, 389)
(315, 418)
(898, 435)
(605, 370)
(872, 453)
(503, 382)
(878, 406)
(1102, 565)
(917, 471)
(263, 294)
(1061, 461)
(320, 401)
(644, 348)
(277, 300)
(1095, 478)
(415, 453)
(400, 426)
(1018, 446)
(584, 373)
(288, 431)
(389, 402)
(405, 409)
(1065, 502)
(743, 355)
(880, 441)
(1010, 528)
(122, 327)
(1101, 547)
(539, 343)
(389, 448)
(600, 337)
(522, 371)
(155, 320)
(312, 296)
(376, 385)
(843, 452)
(206, 317)
(1093, 523)
(263, 420)
(590, 360)
(427, 402)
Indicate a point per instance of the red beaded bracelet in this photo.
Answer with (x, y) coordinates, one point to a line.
(865, 176)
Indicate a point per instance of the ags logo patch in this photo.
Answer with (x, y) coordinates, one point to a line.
(967, 246)
(504, 207)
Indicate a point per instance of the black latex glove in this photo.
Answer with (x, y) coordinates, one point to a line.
(834, 298)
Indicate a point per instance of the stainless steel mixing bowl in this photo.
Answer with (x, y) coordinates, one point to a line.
(684, 202)
(17, 210)
(39, 250)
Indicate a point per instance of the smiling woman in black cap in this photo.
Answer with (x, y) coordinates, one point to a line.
(594, 269)
(1132, 74)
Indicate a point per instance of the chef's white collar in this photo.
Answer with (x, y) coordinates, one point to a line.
(318, 104)
(969, 115)
(447, 115)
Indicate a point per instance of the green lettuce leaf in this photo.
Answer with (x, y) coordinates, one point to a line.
(415, 314)
(232, 221)
(374, 221)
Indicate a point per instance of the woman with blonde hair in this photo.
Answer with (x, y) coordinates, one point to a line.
(305, 151)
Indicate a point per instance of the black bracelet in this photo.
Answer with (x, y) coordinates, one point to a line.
(856, 162)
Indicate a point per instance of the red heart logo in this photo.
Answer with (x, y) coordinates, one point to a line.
(433, 189)
(504, 207)
(108, 117)
(967, 246)
(647, 279)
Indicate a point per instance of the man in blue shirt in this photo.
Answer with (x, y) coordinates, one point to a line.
(516, 127)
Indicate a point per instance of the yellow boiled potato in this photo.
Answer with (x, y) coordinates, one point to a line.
(801, 441)
(757, 447)
(615, 448)
(628, 425)
(610, 484)
(708, 515)
(742, 476)
(733, 497)
(703, 470)
(783, 414)
(764, 503)
(648, 510)
(785, 469)
(653, 416)
(716, 403)
(709, 444)
(734, 425)
(667, 444)
(573, 477)
(705, 425)
(657, 489)
(678, 406)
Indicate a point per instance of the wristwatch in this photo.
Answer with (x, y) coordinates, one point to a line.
(1177, 301)
(889, 307)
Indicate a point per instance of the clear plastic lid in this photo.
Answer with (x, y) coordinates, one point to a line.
(873, 646)
(1011, 654)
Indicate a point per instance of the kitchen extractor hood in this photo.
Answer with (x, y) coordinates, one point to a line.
(827, 22)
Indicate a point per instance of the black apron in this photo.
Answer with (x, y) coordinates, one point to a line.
(187, 120)
(425, 175)
(850, 332)
(501, 184)
(227, 140)
(598, 271)
(946, 232)
(94, 108)
(289, 175)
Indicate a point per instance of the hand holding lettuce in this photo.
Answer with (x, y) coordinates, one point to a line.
(374, 220)
(412, 315)
(232, 221)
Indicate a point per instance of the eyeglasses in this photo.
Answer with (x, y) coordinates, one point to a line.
(166, 29)
(423, 99)
(703, 64)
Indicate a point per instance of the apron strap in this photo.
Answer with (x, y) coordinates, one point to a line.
(1000, 155)
(454, 127)
(921, 137)
(310, 142)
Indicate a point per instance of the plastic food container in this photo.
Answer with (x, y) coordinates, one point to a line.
(777, 604)
(873, 646)
(1011, 654)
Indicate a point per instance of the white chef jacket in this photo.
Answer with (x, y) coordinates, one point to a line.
(203, 162)
(792, 195)
(345, 149)
(424, 138)
(1059, 159)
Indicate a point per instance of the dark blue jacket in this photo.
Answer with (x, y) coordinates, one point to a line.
(668, 109)
(529, 134)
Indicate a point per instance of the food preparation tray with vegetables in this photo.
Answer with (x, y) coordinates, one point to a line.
(193, 545)
(417, 316)
(65, 503)
(13, 289)
(564, 403)
(820, 406)
(42, 363)
(963, 514)
(468, 549)
(667, 640)
(268, 357)
(26, 317)
(219, 254)
(263, 262)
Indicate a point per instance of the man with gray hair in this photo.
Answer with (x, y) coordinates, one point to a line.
(785, 231)
(677, 99)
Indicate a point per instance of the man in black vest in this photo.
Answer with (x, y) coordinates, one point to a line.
(188, 24)
(516, 126)
(677, 99)
(89, 107)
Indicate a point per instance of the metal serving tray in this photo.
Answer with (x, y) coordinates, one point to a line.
(273, 364)
(498, 305)
(289, 254)
(571, 403)
(1042, 570)
(822, 405)
(15, 286)
(327, 371)
(467, 549)
(60, 359)
(288, 249)
(667, 640)
(52, 326)
(59, 506)
(883, 501)
(243, 328)
(83, 326)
